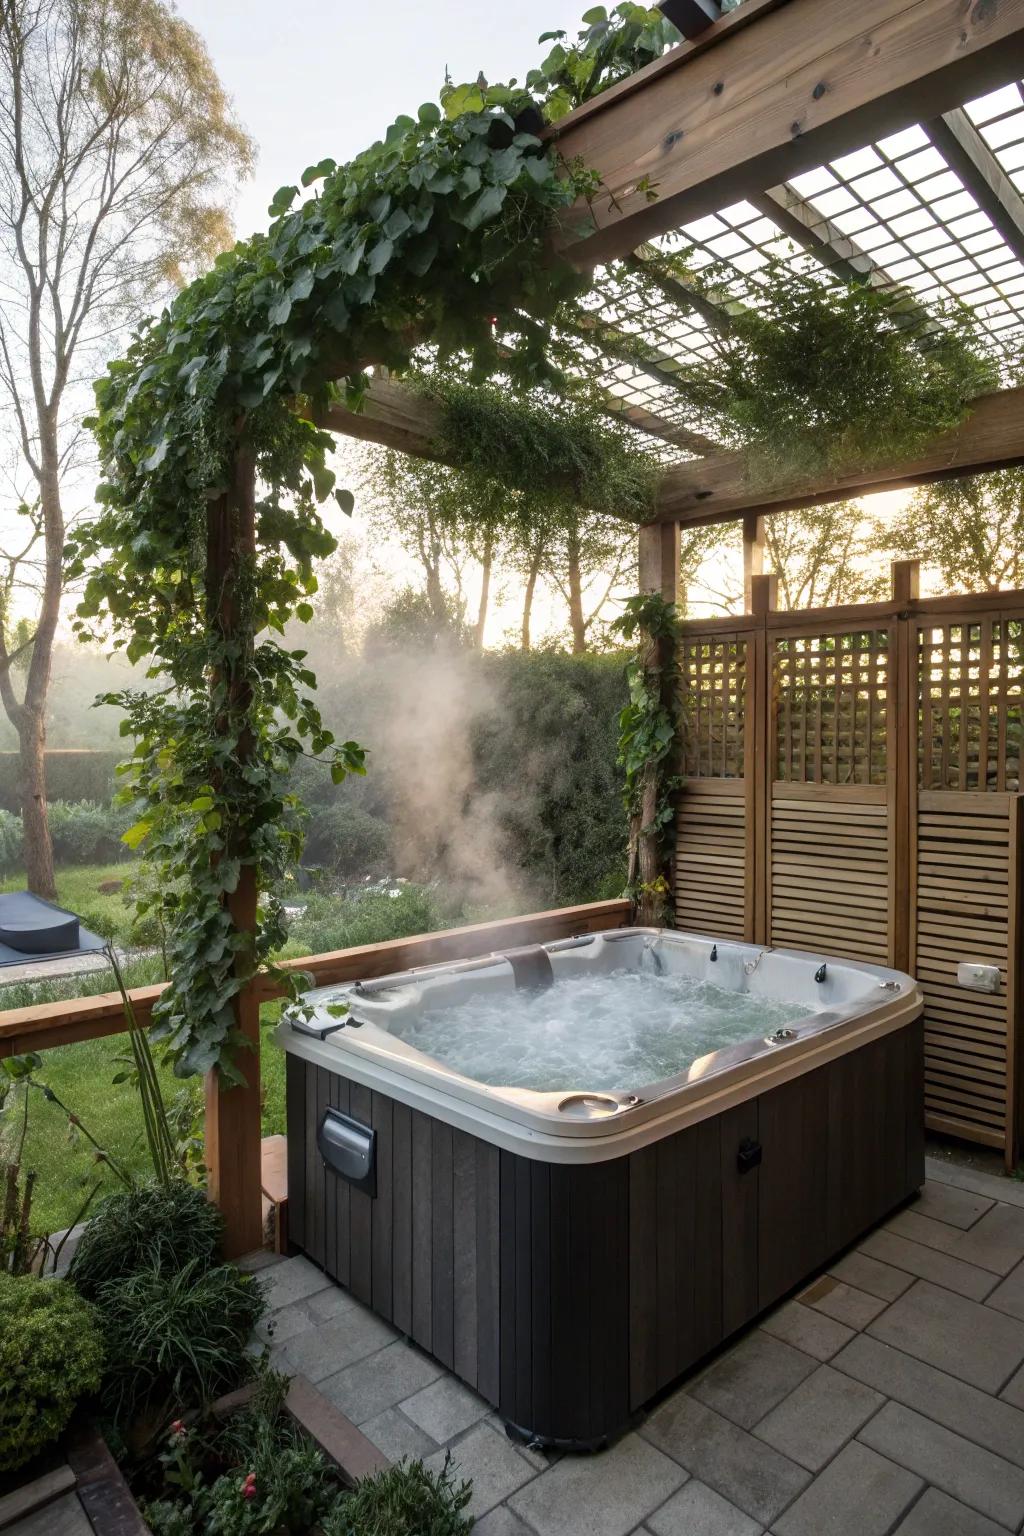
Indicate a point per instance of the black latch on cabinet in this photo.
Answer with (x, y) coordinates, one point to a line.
(349, 1148)
(749, 1155)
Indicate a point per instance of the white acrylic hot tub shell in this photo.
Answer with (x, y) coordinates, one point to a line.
(855, 1003)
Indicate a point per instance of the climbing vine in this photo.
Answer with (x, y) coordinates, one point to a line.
(214, 473)
(649, 748)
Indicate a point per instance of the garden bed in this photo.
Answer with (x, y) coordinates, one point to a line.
(111, 1506)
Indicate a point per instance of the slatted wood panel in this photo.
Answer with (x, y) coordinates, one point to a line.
(967, 909)
(711, 860)
(829, 874)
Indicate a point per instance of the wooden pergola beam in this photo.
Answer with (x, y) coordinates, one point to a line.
(719, 487)
(770, 91)
(716, 490)
(966, 153)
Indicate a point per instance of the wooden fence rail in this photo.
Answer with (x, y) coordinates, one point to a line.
(234, 1163)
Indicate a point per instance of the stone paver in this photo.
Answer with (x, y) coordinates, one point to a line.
(293, 1280)
(995, 1242)
(976, 1343)
(936, 1514)
(494, 1465)
(929, 1264)
(1013, 1392)
(1006, 1191)
(818, 1418)
(741, 1468)
(807, 1329)
(599, 1496)
(1009, 1296)
(886, 1399)
(859, 1494)
(998, 1426)
(501, 1522)
(398, 1437)
(697, 1510)
(366, 1388)
(748, 1381)
(445, 1408)
(321, 1352)
(871, 1275)
(944, 1202)
(847, 1304)
(965, 1471)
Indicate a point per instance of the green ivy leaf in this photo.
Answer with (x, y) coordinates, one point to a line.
(278, 313)
(282, 201)
(317, 172)
(486, 206)
(346, 501)
(429, 114)
(379, 257)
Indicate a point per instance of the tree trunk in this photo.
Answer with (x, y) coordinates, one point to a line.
(530, 593)
(38, 848)
(577, 622)
(485, 593)
(28, 715)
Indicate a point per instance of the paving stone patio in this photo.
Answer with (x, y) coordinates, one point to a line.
(887, 1397)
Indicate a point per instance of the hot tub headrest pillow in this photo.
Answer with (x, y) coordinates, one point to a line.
(33, 927)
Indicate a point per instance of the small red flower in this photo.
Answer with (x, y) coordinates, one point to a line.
(249, 1486)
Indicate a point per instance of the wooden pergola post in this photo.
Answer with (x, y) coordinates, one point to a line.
(753, 556)
(232, 1127)
(658, 561)
(902, 743)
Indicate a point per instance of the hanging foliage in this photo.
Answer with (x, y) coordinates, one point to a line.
(561, 453)
(813, 376)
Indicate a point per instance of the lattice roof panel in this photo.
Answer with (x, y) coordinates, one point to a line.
(895, 212)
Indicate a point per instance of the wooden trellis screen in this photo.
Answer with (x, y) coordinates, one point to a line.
(853, 787)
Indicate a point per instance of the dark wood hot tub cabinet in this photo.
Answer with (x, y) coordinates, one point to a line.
(568, 1296)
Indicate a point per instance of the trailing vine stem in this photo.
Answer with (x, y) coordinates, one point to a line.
(649, 750)
(439, 234)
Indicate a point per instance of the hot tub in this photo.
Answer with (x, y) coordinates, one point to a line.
(569, 1172)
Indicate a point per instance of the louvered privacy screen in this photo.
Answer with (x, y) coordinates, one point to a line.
(852, 787)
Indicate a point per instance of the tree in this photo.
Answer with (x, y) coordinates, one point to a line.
(823, 556)
(588, 556)
(116, 139)
(972, 529)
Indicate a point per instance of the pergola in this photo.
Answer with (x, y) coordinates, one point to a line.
(883, 141)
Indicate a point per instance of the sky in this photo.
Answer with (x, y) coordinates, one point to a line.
(327, 79)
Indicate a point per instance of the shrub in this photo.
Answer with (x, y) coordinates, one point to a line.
(175, 1339)
(149, 1228)
(11, 842)
(51, 1355)
(406, 1500)
(348, 841)
(85, 832)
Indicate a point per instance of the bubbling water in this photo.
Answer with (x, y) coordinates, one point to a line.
(613, 1032)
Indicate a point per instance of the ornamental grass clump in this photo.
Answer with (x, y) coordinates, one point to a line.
(152, 1228)
(51, 1356)
(174, 1340)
